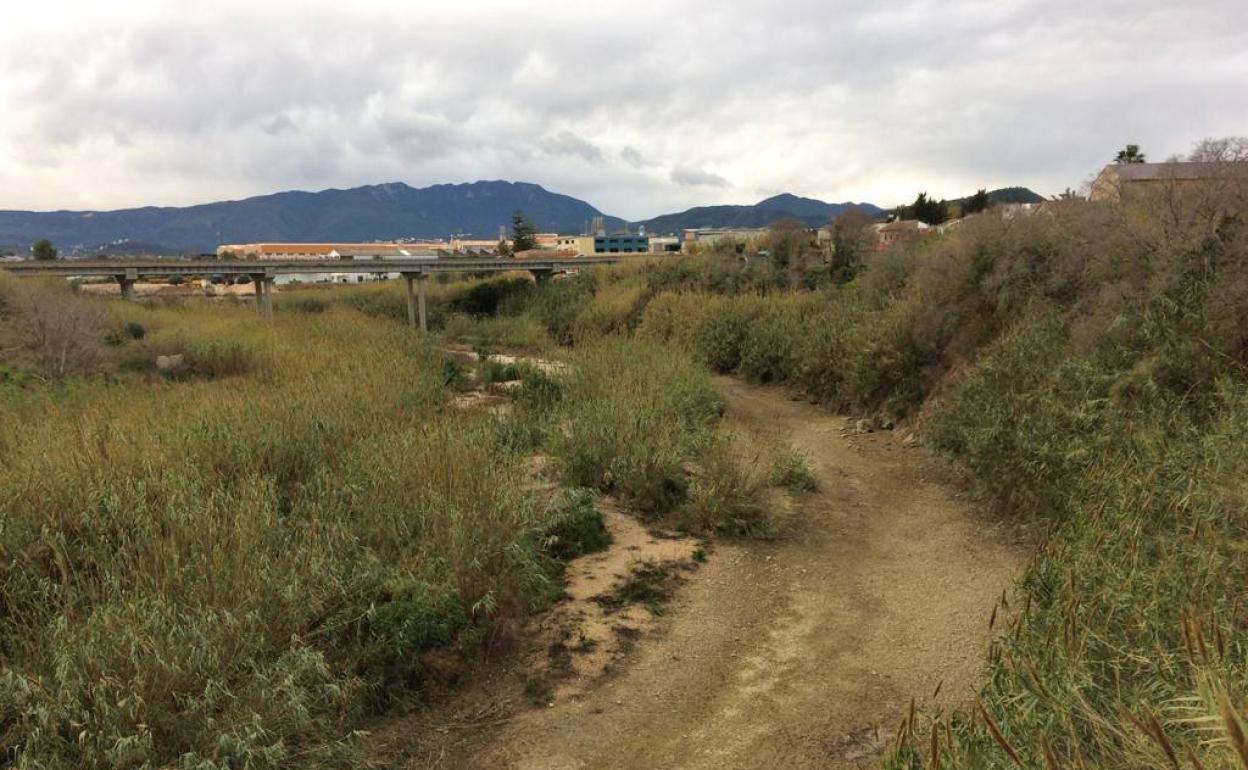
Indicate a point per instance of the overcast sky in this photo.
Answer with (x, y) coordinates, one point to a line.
(638, 107)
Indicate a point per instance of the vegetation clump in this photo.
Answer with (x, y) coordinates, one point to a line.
(234, 563)
(790, 469)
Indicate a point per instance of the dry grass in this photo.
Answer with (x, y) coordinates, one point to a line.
(230, 564)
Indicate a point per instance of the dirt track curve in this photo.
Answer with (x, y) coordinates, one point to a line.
(798, 653)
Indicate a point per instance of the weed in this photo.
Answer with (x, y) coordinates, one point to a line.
(577, 528)
(790, 469)
(538, 690)
(726, 495)
(648, 583)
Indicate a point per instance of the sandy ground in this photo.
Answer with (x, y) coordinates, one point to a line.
(189, 289)
(799, 653)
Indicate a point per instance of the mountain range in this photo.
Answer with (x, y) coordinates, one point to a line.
(379, 212)
(765, 212)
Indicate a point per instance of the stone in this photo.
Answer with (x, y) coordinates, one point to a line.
(171, 363)
(863, 426)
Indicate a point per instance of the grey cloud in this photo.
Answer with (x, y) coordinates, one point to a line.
(827, 98)
(567, 143)
(633, 157)
(697, 177)
(278, 124)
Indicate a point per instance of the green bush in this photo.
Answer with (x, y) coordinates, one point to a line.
(726, 496)
(634, 413)
(577, 528)
(305, 302)
(721, 332)
(212, 358)
(557, 304)
(484, 298)
(790, 469)
(408, 618)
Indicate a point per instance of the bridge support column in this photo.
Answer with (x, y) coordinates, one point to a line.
(257, 283)
(541, 276)
(421, 278)
(409, 282)
(417, 316)
(268, 298)
(127, 282)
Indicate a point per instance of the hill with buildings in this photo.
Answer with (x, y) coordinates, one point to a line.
(766, 212)
(384, 212)
(374, 212)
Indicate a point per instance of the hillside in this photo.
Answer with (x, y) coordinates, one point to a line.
(1014, 195)
(373, 212)
(768, 211)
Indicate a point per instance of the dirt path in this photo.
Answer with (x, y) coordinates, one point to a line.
(800, 653)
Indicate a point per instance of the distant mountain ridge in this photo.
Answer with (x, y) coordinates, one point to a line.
(388, 211)
(370, 213)
(766, 212)
(1014, 195)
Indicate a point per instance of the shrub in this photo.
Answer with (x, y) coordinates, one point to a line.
(491, 371)
(615, 308)
(720, 334)
(556, 304)
(577, 528)
(454, 375)
(304, 302)
(511, 332)
(635, 414)
(726, 496)
(790, 469)
(483, 298)
(213, 358)
(61, 335)
(408, 618)
(770, 347)
(539, 389)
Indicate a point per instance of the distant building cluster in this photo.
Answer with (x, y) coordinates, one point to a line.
(1116, 182)
(548, 244)
(291, 252)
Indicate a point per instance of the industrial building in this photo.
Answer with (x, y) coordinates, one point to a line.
(311, 251)
(621, 244)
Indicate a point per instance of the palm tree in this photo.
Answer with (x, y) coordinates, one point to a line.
(1131, 154)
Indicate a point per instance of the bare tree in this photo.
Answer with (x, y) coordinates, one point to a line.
(786, 240)
(852, 237)
(1229, 149)
(60, 333)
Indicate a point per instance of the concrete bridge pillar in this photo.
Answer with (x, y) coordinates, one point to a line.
(542, 276)
(127, 282)
(268, 298)
(416, 300)
(257, 284)
(263, 283)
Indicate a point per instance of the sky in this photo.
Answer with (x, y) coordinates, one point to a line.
(638, 107)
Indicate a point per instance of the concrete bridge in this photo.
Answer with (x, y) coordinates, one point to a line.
(263, 272)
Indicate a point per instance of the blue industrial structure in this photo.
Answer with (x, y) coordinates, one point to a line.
(621, 244)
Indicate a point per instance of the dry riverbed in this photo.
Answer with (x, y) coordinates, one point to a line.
(801, 652)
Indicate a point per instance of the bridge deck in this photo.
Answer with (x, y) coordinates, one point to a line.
(141, 268)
